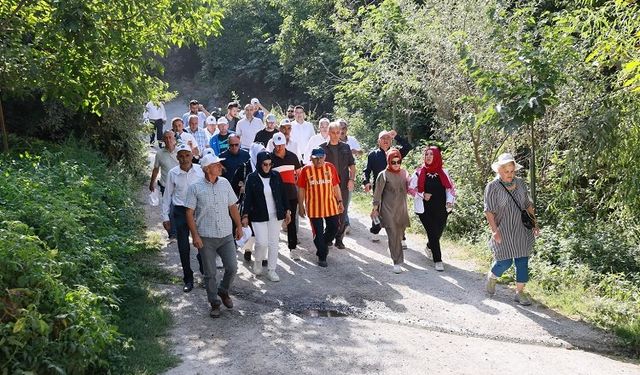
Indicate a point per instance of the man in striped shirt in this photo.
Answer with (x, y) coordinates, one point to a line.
(319, 198)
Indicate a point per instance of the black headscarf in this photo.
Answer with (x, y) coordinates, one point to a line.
(262, 156)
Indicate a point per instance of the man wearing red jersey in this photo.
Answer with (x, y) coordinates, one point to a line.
(319, 197)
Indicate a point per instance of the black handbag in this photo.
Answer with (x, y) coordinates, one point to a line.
(528, 220)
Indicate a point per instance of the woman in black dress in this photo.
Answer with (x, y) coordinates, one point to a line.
(434, 195)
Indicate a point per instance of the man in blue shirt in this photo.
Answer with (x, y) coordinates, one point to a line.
(234, 157)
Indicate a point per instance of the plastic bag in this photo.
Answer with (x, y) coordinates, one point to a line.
(154, 197)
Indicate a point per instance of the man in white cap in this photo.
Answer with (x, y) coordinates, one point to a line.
(220, 142)
(211, 129)
(259, 110)
(178, 181)
(288, 165)
(285, 129)
(211, 209)
(183, 137)
(377, 162)
(248, 127)
(264, 135)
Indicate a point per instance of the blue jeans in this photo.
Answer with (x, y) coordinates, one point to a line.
(226, 248)
(323, 236)
(522, 268)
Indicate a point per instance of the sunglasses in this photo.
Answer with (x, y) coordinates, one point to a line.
(234, 144)
(290, 111)
(266, 164)
(396, 162)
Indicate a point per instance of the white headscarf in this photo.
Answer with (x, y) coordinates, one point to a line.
(254, 149)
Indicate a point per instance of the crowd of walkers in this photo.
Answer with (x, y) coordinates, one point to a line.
(234, 181)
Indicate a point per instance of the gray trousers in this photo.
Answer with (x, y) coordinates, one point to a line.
(226, 248)
(394, 235)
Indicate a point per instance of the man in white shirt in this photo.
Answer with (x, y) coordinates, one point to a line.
(301, 130)
(211, 129)
(248, 127)
(183, 137)
(197, 109)
(178, 180)
(356, 149)
(318, 139)
(156, 115)
(166, 158)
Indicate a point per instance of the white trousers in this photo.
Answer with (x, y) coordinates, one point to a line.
(267, 235)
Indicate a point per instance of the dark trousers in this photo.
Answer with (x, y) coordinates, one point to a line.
(182, 232)
(434, 226)
(158, 128)
(171, 232)
(292, 229)
(342, 223)
(322, 235)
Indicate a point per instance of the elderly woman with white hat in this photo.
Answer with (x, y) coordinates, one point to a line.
(505, 199)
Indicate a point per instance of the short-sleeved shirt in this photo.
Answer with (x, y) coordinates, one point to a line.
(287, 166)
(165, 160)
(247, 131)
(318, 184)
(200, 137)
(211, 203)
(341, 157)
(264, 136)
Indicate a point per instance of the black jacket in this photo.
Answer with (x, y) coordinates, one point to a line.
(255, 205)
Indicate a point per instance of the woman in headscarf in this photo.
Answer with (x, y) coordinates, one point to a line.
(434, 194)
(511, 241)
(390, 205)
(266, 206)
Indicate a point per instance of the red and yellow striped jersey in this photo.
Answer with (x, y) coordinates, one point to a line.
(318, 184)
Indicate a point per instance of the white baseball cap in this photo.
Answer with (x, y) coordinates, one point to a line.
(210, 120)
(210, 159)
(279, 139)
(182, 147)
(255, 101)
(223, 120)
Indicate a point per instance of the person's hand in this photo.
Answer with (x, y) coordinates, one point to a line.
(367, 187)
(427, 196)
(393, 133)
(287, 218)
(166, 225)
(449, 206)
(374, 213)
(536, 231)
(152, 186)
(238, 233)
(200, 107)
(244, 221)
(497, 237)
(340, 207)
(197, 242)
(350, 185)
(301, 211)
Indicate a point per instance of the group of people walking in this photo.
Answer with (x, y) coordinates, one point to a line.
(239, 184)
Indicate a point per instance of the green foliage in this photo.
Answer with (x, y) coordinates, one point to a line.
(70, 226)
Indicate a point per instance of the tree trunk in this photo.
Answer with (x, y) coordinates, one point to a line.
(3, 128)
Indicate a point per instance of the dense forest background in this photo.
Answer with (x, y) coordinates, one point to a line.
(555, 82)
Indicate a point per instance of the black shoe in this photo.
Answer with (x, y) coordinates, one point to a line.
(340, 245)
(215, 311)
(265, 263)
(188, 287)
(247, 256)
(322, 263)
(226, 300)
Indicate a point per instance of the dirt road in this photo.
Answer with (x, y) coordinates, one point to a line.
(420, 321)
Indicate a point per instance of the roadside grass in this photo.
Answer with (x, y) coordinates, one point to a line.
(606, 301)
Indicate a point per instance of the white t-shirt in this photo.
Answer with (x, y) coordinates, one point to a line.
(268, 197)
(314, 142)
(153, 112)
(247, 131)
(353, 143)
(300, 134)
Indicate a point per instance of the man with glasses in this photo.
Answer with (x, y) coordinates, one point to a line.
(290, 110)
(234, 157)
(339, 154)
(319, 198)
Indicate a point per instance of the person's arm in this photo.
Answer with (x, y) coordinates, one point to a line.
(166, 201)
(163, 113)
(154, 176)
(204, 110)
(377, 194)
(406, 146)
(367, 173)
(191, 223)
(301, 202)
(495, 233)
(235, 216)
(338, 195)
(352, 177)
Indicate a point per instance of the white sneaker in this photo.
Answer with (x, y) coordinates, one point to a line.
(404, 244)
(273, 276)
(375, 237)
(295, 255)
(439, 266)
(257, 268)
(219, 263)
(397, 268)
(347, 229)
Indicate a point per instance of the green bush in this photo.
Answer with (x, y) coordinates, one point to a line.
(69, 223)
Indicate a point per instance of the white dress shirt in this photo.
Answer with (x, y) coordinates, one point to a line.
(247, 131)
(178, 182)
(314, 142)
(154, 112)
(300, 134)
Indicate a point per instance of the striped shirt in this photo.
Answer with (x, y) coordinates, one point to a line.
(200, 137)
(318, 184)
(211, 203)
(517, 241)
